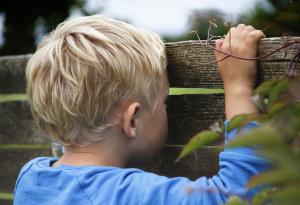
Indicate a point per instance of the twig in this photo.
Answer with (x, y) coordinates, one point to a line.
(292, 65)
(241, 57)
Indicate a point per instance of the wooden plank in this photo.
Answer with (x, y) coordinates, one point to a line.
(187, 62)
(186, 65)
(201, 163)
(17, 125)
(6, 198)
(11, 163)
(187, 115)
(12, 73)
(6, 202)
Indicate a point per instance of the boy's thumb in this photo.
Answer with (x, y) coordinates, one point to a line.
(219, 43)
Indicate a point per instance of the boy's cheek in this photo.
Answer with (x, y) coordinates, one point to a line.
(150, 150)
(152, 137)
(144, 157)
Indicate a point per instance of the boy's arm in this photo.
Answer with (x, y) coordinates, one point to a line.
(238, 75)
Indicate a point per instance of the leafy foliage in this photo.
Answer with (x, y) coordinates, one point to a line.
(201, 139)
(277, 139)
(275, 16)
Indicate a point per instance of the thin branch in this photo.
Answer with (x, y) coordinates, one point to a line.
(292, 65)
(208, 34)
(240, 57)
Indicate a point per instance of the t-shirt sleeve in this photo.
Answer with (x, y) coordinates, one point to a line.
(237, 166)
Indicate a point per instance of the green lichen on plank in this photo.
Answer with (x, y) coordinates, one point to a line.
(194, 91)
(24, 146)
(6, 196)
(13, 97)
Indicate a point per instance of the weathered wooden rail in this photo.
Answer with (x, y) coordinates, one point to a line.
(188, 67)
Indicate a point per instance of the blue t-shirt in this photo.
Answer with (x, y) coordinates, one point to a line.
(39, 183)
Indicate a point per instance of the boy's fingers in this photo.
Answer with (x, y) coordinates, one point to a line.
(241, 26)
(232, 29)
(261, 34)
(219, 43)
(255, 35)
(249, 28)
(230, 33)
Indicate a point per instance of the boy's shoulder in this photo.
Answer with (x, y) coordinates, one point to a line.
(44, 164)
(86, 175)
(29, 164)
(35, 161)
(113, 183)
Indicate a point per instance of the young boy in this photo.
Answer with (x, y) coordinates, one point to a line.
(99, 86)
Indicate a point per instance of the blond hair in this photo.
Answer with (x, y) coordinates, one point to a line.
(84, 68)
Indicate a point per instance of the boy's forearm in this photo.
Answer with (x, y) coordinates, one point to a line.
(238, 101)
(238, 75)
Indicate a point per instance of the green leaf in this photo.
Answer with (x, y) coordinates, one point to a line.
(276, 107)
(261, 197)
(287, 196)
(263, 118)
(265, 87)
(282, 155)
(280, 87)
(270, 145)
(240, 121)
(234, 200)
(263, 136)
(236, 121)
(201, 139)
(282, 176)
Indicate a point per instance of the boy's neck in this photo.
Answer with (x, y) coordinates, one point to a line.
(81, 158)
(103, 153)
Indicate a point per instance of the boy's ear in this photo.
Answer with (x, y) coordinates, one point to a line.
(130, 119)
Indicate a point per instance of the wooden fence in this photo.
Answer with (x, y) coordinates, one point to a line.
(188, 67)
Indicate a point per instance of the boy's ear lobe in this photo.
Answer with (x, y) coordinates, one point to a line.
(130, 120)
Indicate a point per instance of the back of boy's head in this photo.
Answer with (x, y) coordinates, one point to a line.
(84, 68)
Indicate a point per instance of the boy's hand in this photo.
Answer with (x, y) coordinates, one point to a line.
(238, 75)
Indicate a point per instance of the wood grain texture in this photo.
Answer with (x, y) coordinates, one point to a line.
(17, 125)
(186, 64)
(190, 114)
(12, 73)
(6, 202)
(11, 163)
(187, 115)
(202, 163)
